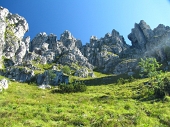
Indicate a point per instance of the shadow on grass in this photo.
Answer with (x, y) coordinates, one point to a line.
(100, 81)
(54, 91)
(165, 122)
(148, 98)
(110, 79)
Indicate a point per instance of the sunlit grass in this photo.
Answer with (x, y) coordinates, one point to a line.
(100, 106)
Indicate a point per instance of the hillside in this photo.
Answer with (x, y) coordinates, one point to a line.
(104, 86)
(100, 106)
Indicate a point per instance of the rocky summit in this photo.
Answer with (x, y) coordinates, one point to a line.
(23, 59)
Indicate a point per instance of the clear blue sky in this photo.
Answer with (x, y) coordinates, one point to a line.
(84, 18)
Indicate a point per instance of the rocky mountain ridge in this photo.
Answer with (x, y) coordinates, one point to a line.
(109, 54)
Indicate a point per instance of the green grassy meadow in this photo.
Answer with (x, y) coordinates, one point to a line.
(102, 105)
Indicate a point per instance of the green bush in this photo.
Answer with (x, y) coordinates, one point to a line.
(66, 88)
(51, 76)
(149, 67)
(162, 89)
(159, 93)
(160, 84)
(121, 81)
(66, 69)
(79, 87)
(166, 85)
(74, 87)
(131, 79)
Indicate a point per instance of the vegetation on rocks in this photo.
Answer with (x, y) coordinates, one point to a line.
(66, 70)
(9, 31)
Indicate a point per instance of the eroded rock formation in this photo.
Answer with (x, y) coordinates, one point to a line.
(109, 54)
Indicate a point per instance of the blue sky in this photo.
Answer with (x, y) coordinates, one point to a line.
(84, 18)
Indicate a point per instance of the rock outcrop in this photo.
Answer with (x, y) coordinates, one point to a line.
(150, 42)
(140, 35)
(83, 72)
(125, 66)
(65, 51)
(3, 14)
(104, 53)
(12, 30)
(109, 54)
(52, 77)
(21, 74)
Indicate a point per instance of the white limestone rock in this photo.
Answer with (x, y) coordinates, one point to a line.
(44, 86)
(3, 84)
(83, 72)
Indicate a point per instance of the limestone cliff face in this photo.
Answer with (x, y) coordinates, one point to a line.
(140, 34)
(3, 14)
(104, 53)
(64, 51)
(150, 42)
(12, 30)
(109, 54)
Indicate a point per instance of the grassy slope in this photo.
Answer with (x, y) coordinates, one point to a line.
(100, 106)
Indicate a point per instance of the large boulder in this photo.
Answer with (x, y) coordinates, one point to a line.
(21, 74)
(52, 77)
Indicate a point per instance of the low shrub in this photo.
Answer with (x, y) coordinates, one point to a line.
(159, 93)
(74, 87)
(66, 88)
(166, 85)
(131, 79)
(79, 87)
(121, 81)
(162, 89)
(66, 70)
